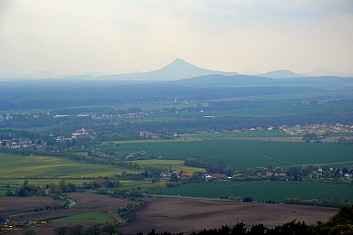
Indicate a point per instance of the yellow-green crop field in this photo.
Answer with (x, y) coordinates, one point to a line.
(2, 191)
(143, 184)
(40, 182)
(91, 216)
(15, 167)
(174, 165)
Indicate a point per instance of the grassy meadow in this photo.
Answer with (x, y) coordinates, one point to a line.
(15, 167)
(174, 165)
(41, 170)
(86, 217)
(264, 190)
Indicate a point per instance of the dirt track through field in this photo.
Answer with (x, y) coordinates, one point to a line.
(187, 215)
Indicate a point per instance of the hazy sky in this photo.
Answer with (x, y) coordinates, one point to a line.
(118, 36)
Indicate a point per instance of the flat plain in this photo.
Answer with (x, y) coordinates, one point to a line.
(241, 154)
(35, 167)
(264, 190)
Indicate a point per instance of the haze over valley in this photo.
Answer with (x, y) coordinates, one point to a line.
(239, 119)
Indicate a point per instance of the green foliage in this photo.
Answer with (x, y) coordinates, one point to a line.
(128, 193)
(344, 216)
(247, 199)
(106, 229)
(28, 190)
(67, 187)
(235, 198)
(293, 200)
(194, 162)
(9, 193)
(99, 182)
(172, 184)
(174, 177)
(311, 136)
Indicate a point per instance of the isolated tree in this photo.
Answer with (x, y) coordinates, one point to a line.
(174, 177)
(247, 199)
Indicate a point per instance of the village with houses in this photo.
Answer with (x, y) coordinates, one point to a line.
(328, 174)
(59, 143)
(338, 133)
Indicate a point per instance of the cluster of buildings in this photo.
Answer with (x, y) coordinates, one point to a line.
(14, 143)
(7, 224)
(327, 174)
(320, 129)
(203, 175)
(149, 135)
(21, 143)
(84, 133)
(5, 117)
(258, 128)
(58, 116)
(105, 116)
(310, 172)
(80, 133)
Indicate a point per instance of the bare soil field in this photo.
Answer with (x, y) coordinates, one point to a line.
(17, 205)
(187, 215)
(166, 214)
(86, 202)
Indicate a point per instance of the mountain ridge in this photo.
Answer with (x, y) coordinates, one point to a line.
(281, 74)
(176, 70)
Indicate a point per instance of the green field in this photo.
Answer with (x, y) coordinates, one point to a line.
(155, 106)
(264, 190)
(15, 167)
(141, 184)
(2, 191)
(243, 134)
(92, 216)
(173, 165)
(239, 154)
(289, 110)
(280, 111)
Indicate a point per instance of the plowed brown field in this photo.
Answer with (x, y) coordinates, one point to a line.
(167, 214)
(187, 215)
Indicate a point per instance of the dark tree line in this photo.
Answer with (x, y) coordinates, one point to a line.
(211, 168)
